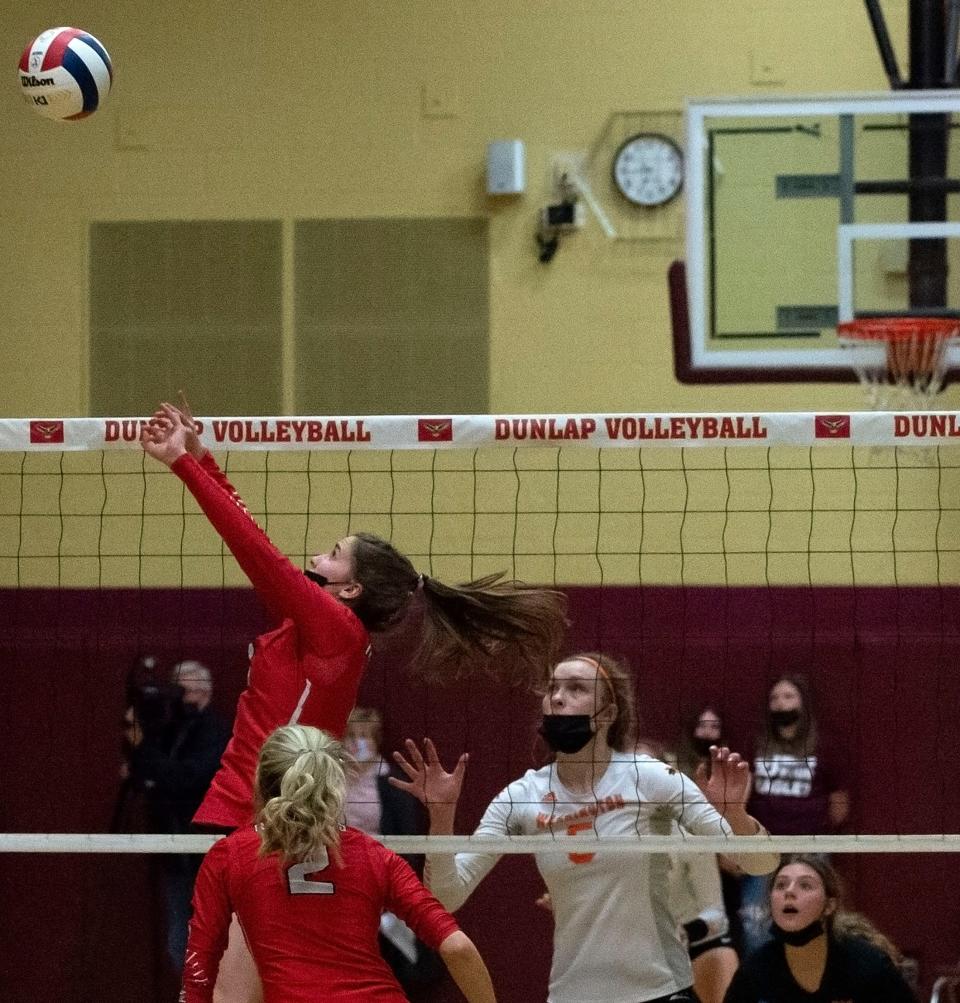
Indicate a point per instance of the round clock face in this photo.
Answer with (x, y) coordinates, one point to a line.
(648, 169)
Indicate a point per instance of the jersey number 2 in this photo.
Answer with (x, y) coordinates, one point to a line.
(297, 876)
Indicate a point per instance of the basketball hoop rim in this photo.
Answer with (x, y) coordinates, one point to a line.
(891, 329)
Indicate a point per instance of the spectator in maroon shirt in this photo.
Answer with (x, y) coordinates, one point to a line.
(798, 787)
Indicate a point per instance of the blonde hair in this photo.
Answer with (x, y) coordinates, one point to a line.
(300, 789)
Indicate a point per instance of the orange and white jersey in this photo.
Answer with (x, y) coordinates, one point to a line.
(615, 937)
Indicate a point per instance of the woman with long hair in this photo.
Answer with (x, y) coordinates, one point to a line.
(798, 789)
(702, 731)
(307, 669)
(615, 938)
(309, 892)
(818, 952)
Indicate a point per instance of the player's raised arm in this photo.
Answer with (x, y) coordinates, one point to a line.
(427, 780)
(451, 877)
(171, 438)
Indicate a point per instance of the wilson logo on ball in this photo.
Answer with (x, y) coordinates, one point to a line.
(73, 69)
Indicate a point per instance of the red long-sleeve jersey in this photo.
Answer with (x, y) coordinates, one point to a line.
(305, 671)
(311, 927)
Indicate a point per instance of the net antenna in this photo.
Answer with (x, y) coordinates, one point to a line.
(900, 361)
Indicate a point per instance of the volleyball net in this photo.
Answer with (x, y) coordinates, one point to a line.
(713, 551)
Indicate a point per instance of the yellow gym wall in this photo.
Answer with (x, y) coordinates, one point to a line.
(282, 110)
(289, 110)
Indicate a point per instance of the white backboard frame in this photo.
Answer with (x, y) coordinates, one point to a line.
(697, 112)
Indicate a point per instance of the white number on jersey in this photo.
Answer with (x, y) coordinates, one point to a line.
(297, 876)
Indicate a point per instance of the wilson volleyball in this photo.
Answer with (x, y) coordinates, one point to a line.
(65, 74)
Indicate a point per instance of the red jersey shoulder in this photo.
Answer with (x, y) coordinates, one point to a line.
(354, 841)
(349, 627)
(240, 846)
(350, 620)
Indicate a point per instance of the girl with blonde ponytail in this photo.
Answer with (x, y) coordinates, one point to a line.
(301, 786)
(309, 892)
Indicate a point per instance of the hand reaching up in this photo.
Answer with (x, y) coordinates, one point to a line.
(165, 437)
(727, 786)
(427, 780)
(192, 435)
(194, 446)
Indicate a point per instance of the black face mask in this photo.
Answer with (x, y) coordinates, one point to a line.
(797, 938)
(321, 580)
(566, 732)
(783, 718)
(702, 745)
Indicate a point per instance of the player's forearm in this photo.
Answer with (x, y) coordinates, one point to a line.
(199, 978)
(442, 817)
(742, 824)
(268, 570)
(467, 969)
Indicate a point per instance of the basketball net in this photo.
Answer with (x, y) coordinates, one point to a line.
(900, 361)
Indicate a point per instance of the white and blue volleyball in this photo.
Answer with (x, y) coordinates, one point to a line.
(65, 74)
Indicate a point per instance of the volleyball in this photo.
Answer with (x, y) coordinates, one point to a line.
(65, 74)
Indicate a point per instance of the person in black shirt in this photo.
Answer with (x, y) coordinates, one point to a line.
(171, 760)
(819, 954)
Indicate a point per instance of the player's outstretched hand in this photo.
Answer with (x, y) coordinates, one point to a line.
(194, 446)
(727, 786)
(182, 412)
(165, 436)
(427, 780)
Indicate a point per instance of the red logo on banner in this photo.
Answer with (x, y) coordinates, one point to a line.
(435, 430)
(46, 431)
(832, 426)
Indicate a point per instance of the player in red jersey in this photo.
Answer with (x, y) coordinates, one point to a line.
(309, 893)
(308, 669)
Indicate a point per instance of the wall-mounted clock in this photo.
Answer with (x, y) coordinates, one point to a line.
(648, 169)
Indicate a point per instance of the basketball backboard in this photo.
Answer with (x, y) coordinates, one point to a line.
(798, 216)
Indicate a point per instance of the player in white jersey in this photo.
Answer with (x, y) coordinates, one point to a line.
(615, 938)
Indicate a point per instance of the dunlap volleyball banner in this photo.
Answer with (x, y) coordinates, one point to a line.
(857, 428)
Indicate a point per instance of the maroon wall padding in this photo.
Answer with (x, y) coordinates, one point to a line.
(883, 663)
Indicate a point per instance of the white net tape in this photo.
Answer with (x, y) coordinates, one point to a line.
(70, 842)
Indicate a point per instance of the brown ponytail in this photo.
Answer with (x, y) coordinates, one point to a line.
(508, 628)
